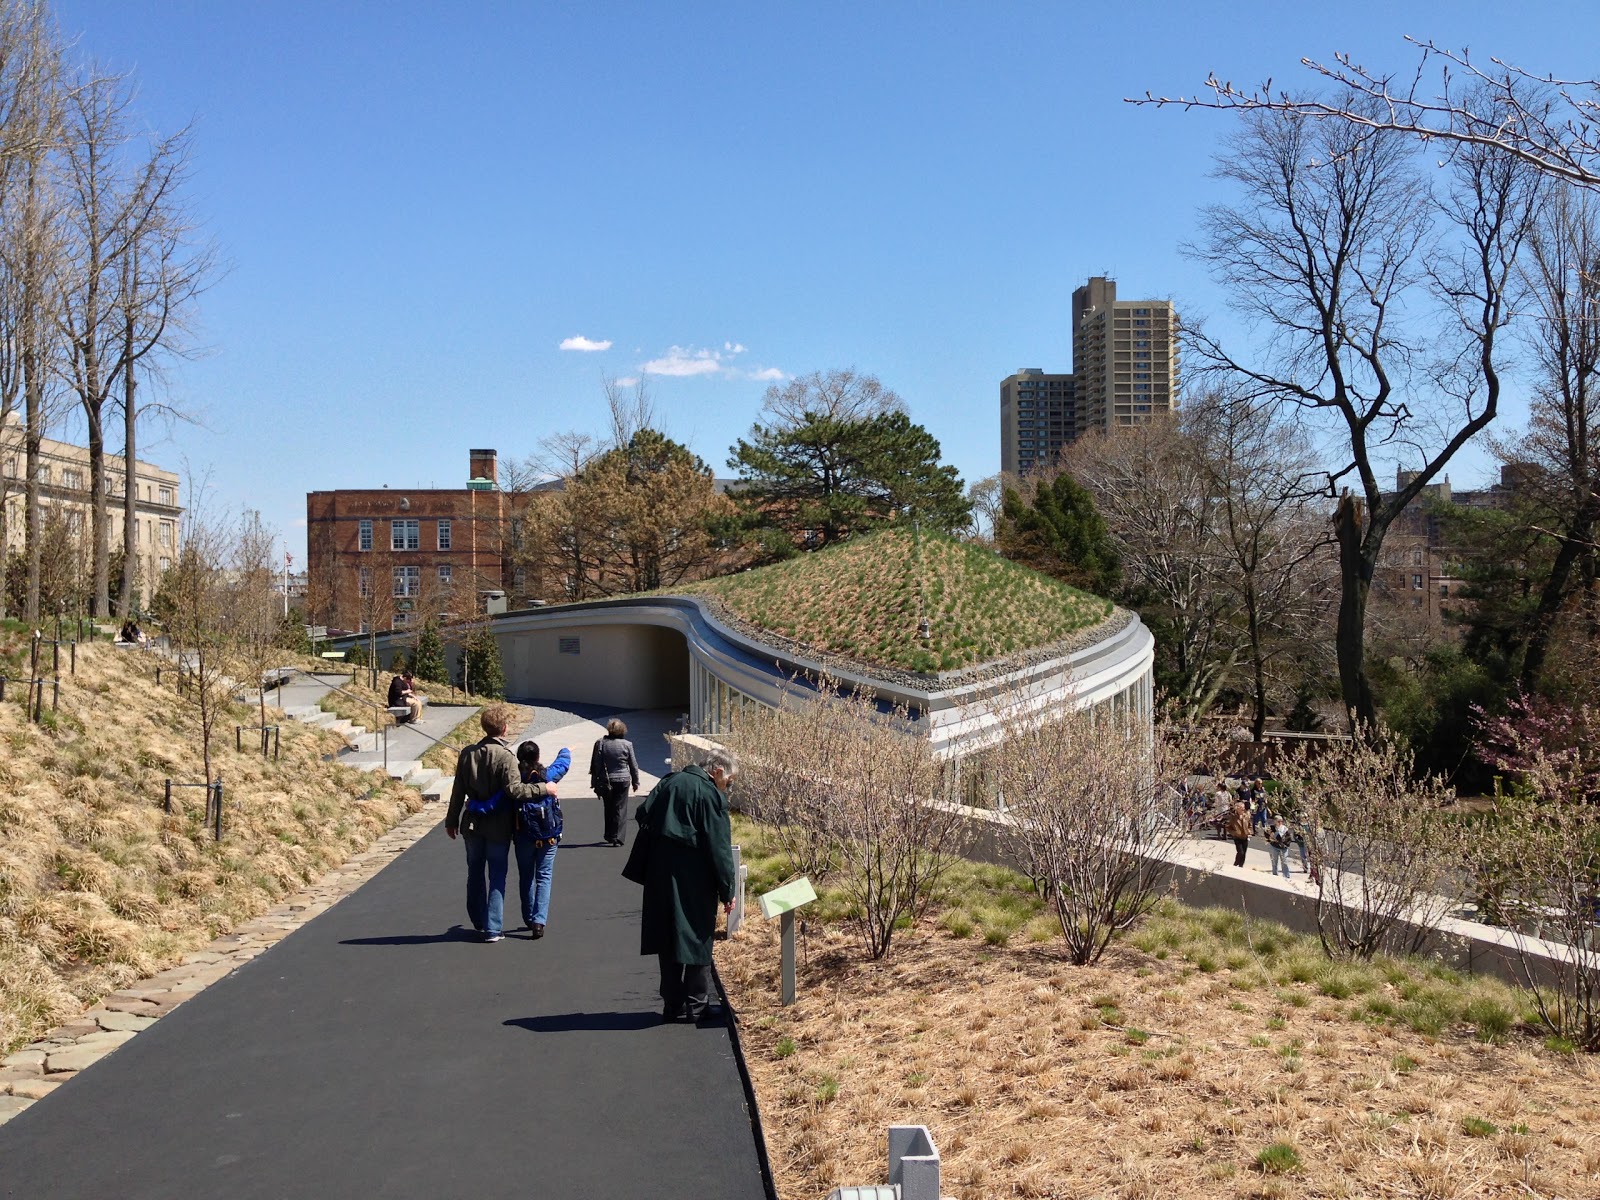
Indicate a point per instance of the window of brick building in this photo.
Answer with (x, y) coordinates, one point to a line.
(365, 537)
(447, 575)
(408, 580)
(405, 535)
(364, 583)
(444, 535)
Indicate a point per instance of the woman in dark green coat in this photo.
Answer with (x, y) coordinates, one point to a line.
(688, 873)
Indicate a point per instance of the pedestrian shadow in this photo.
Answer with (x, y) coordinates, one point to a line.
(586, 1021)
(456, 933)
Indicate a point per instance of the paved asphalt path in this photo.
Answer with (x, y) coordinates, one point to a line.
(379, 1051)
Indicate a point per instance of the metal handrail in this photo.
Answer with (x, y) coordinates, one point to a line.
(384, 729)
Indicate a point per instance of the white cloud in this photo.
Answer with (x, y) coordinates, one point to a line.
(684, 362)
(626, 381)
(733, 348)
(768, 375)
(587, 345)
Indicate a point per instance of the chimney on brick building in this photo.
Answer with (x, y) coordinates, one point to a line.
(483, 464)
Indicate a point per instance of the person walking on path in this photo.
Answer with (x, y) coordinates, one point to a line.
(483, 805)
(536, 847)
(687, 870)
(1279, 839)
(1237, 827)
(614, 772)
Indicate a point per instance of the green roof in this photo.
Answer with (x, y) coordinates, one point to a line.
(865, 599)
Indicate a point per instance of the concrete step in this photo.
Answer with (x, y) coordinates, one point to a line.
(439, 790)
(300, 712)
(324, 720)
(403, 770)
(423, 778)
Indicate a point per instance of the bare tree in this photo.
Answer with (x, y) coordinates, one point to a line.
(1345, 256)
(111, 202)
(842, 394)
(1547, 122)
(1386, 856)
(195, 616)
(1539, 859)
(1558, 457)
(1091, 811)
(631, 409)
(1275, 544)
(252, 611)
(877, 788)
(30, 90)
(1166, 519)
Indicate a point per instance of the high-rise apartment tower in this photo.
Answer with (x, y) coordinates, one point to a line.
(1124, 370)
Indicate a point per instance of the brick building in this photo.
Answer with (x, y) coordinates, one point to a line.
(389, 557)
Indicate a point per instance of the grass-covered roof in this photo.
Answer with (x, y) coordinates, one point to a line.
(865, 599)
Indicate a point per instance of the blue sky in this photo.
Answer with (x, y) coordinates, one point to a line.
(419, 203)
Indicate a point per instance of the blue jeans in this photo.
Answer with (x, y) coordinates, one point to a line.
(1280, 858)
(535, 866)
(486, 881)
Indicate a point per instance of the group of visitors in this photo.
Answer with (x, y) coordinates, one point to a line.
(1243, 813)
(682, 851)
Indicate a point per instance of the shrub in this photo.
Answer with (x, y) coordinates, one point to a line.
(1279, 1158)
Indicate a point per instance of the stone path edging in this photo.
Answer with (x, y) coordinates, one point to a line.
(41, 1067)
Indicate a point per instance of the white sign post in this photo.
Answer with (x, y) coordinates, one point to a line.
(781, 902)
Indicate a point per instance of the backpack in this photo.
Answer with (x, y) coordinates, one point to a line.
(542, 816)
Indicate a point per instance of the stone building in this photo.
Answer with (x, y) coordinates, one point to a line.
(64, 492)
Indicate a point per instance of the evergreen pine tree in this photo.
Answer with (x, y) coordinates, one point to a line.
(428, 658)
(481, 671)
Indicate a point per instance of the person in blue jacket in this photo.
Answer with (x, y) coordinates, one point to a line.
(536, 855)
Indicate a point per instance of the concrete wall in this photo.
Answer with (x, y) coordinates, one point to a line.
(619, 666)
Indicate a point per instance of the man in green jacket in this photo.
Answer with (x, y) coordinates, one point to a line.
(483, 807)
(689, 872)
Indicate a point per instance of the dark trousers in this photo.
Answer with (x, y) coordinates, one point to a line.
(1240, 845)
(614, 802)
(685, 987)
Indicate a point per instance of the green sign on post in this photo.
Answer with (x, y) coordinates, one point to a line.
(781, 902)
(788, 897)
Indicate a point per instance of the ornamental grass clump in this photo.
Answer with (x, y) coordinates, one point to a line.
(99, 886)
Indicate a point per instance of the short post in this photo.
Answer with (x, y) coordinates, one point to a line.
(781, 902)
(2, 689)
(238, 739)
(55, 694)
(786, 936)
(74, 658)
(740, 873)
(217, 835)
(166, 804)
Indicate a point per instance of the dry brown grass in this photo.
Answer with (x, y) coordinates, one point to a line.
(1140, 1077)
(99, 887)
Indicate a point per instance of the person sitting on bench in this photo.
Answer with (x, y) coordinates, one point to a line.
(401, 695)
(131, 633)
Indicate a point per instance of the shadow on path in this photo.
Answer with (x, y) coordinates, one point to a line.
(567, 1022)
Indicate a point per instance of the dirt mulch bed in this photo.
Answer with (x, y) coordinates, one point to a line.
(1137, 1078)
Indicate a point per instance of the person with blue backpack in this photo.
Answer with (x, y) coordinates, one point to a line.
(537, 834)
(483, 809)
